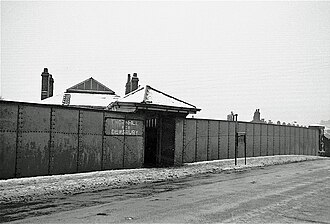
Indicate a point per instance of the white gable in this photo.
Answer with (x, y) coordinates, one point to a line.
(149, 95)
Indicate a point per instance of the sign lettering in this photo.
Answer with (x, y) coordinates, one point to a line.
(123, 127)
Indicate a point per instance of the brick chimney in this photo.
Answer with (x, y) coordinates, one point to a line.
(256, 116)
(128, 84)
(51, 86)
(135, 82)
(47, 84)
(132, 83)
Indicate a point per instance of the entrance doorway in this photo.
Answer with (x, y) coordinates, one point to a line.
(159, 141)
(151, 142)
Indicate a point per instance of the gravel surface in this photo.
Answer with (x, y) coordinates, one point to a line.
(36, 188)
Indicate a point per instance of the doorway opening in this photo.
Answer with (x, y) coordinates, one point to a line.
(159, 141)
(151, 149)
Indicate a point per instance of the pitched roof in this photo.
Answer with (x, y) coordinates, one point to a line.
(81, 100)
(90, 86)
(149, 98)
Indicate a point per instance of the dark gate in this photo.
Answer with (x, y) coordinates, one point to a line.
(159, 140)
(151, 142)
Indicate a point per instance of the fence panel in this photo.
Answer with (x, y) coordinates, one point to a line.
(90, 145)
(90, 152)
(249, 140)
(290, 141)
(202, 140)
(301, 141)
(33, 147)
(296, 140)
(277, 140)
(113, 152)
(264, 139)
(293, 141)
(189, 151)
(314, 137)
(305, 140)
(178, 141)
(282, 140)
(312, 142)
(65, 141)
(213, 140)
(270, 140)
(167, 141)
(231, 140)
(240, 149)
(133, 152)
(310, 139)
(8, 134)
(257, 139)
(287, 140)
(316, 142)
(33, 156)
(131, 133)
(224, 131)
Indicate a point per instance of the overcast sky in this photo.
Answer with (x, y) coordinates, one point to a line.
(219, 56)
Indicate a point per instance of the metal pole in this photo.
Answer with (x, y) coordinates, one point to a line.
(236, 141)
(245, 148)
(236, 138)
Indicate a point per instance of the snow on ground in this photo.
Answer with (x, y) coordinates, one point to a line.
(34, 188)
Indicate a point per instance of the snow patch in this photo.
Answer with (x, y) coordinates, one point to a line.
(35, 188)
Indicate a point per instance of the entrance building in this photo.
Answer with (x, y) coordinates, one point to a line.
(160, 111)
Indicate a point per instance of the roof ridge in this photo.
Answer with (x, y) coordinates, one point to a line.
(170, 96)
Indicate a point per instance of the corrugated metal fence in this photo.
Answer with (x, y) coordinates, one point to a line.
(201, 140)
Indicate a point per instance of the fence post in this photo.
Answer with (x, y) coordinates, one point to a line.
(236, 137)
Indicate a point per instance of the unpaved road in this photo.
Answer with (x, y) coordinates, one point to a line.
(290, 193)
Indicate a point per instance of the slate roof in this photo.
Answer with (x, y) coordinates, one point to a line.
(149, 98)
(81, 100)
(88, 93)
